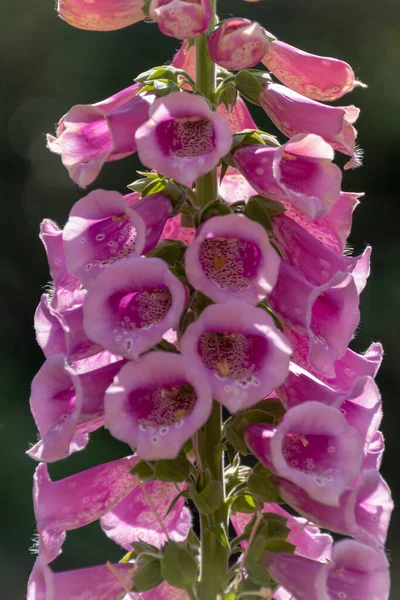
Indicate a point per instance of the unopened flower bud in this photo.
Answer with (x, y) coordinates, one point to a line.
(238, 44)
(181, 19)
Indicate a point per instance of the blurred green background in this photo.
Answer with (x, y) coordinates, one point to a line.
(47, 66)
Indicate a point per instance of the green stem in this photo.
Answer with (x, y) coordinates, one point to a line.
(206, 185)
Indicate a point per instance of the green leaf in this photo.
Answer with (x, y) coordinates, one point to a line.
(220, 533)
(143, 471)
(174, 501)
(259, 573)
(142, 548)
(277, 529)
(236, 440)
(178, 566)
(255, 211)
(208, 500)
(248, 85)
(245, 503)
(149, 576)
(280, 546)
(176, 470)
(138, 185)
(170, 251)
(261, 486)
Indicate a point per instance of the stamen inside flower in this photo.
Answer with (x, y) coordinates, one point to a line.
(187, 137)
(162, 406)
(233, 356)
(137, 309)
(230, 263)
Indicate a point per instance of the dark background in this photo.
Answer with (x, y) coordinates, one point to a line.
(47, 66)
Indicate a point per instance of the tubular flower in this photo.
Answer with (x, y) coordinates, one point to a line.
(231, 258)
(238, 116)
(313, 447)
(77, 500)
(156, 404)
(234, 187)
(101, 230)
(67, 404)
(293, 113)
(90, 135)
(132, 304)
(133, 520)
(182, 19)
(102, 582)
(238, 44)
(356, 571)
(183, 137)
(327, 314)
(300, 171)
(317, 77)
(101, 15)
(239, 350)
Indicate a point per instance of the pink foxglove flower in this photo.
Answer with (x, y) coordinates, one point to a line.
(300, 171)
(156, 404)
(314, 447)
(317, 77)
(101, 230)
(133, 519)
(182, 19)
(328, 314)
(102, 582)
(238, 116)
(293, 113)
(90, 135)
(239, 350)
(101, 15)
(183, 137)
(77, 500)
(234, 187)
(238, 44)
(363, 512)
(356, 572)
(131, 305)
(231, 258)
(173, 230)
(67, 404)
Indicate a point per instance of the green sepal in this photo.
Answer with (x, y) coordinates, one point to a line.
(148, 576)
(140, 549)
(170, 251)
(245, 503)
(261, 486)
(175, 500)
(255, 211)
(236, 441)
(249, 83)
(177, 469)
(273, 207)
(178, 567)
(212, 209)
(278, 545)
(144, 471)
(208, 500)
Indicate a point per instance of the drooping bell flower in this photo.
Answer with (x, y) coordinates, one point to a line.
(156, 404)
(68, 405)
(174, 230)
(363, 512)
(49, 332)
(185, 59)
(314, 447)
(238, 116)
(238, 44)
(133, 519)
(356, 572)
(327, 315)
(102, 582)
(307, 538)
(317, 77)
(77, 500)
(182, 19)
(90, 135)
(240, 351)
(373, 458)
(231, 259)
(131, 304)
(101, 15)
(234, 187)
(300, 171)
(317, 263)
(183, 137)
(101, 230)
(293, 113)
(333, 229)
